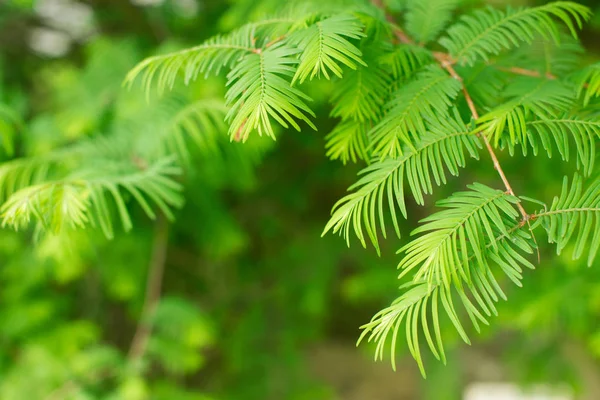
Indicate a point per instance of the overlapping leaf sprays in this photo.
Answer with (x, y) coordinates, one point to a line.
(414, 114)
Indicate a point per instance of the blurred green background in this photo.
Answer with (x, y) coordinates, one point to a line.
(254, 304)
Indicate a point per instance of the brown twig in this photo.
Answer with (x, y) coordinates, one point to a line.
(398, 32)
(498, 168)
(532, 73)
(448, 67)
(140, 340)
(404, 38)
(238, 134)
(272, 42)
(527, 72)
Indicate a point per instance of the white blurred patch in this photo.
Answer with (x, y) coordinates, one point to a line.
(187, 8)
(74, 18)
(183, 8)
(49, 42)
(147, 3)
(509, 391)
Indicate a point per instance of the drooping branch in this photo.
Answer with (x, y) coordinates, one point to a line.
(446, 62)
(448, 67)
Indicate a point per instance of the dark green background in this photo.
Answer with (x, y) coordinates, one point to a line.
(255, 304)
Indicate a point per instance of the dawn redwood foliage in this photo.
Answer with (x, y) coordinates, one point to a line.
(419, 91)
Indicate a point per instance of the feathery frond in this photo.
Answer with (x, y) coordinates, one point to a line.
(348, 141)
(588, 83)
(441, 148)
(84, 197)
(171, 125)
(526, 95)
(427, 96)
(483, 82)
(22, 172)
(426, 19)
(397, 104)
(490, 31)
(325, 46)
(361, 93)
(452, 234)
(405, 60)
(546, 56)
(563, 131)
(259, 91)
(454, 258)
(575, 214)
(210, 57)
(202, 122)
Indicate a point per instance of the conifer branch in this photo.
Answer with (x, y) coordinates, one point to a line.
(505, 181)
(488, 146)
(397, 101)
(446, 61)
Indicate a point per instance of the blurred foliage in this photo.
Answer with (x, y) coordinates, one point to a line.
(248, 286)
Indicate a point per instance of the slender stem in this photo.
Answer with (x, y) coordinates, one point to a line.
(527, 72)
(446, 62)
(272, 42)
(402, 37)
(143, 330)
(532, 73)
(565, 210)
(448, 67)
(140, 340)
(498, 168)
(238, 134)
